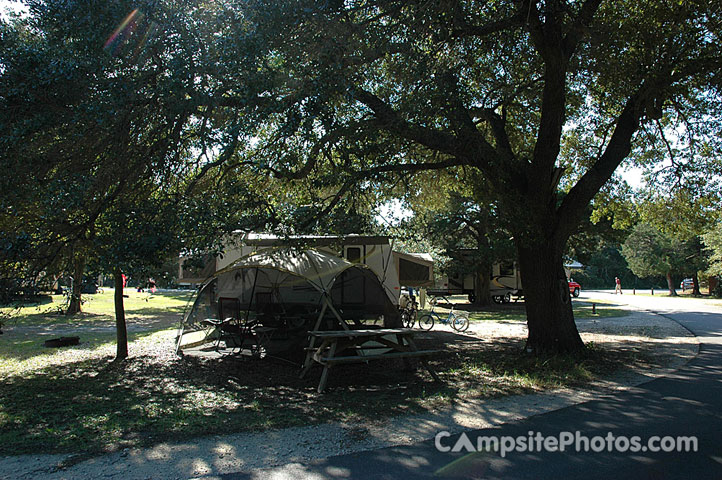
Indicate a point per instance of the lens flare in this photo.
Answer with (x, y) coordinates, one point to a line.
(126, 24)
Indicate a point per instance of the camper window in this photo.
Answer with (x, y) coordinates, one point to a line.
(353, 254)
(506, 269)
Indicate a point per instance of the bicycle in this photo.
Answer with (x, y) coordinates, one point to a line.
(409, 313)
(458, 321)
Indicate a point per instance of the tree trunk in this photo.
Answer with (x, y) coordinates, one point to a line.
(482, 293)
(548, 304)
(120, 328)
(695, 287)
(75, 304)
(670, 285)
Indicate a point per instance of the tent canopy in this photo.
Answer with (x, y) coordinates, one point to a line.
(319, 269)
(290, 283)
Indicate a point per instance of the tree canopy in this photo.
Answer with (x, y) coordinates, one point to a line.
(713, 243)
(650, 252)
(316, 102)
(543, 99)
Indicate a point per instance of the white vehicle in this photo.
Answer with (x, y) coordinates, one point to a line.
(504, 283)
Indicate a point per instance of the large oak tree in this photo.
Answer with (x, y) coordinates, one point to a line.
(352, 92)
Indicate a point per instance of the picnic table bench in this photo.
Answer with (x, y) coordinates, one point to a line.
(356, 346)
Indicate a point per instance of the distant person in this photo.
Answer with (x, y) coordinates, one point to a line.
(618, 286)
(412, 294)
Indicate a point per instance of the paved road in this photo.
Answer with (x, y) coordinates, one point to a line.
(687, 403)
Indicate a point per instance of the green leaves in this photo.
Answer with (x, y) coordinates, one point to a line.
(650, 252)
(713, 243)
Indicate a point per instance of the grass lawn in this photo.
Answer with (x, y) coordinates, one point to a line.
(22, 350)
(76, 400)
(99, 307)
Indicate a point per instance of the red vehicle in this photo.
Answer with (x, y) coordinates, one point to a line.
(574, 288)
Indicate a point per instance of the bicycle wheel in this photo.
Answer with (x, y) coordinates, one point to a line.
(426, 322)
(460, 323)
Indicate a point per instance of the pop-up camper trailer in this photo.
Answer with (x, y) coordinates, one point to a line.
(286, 289)
(394, 269)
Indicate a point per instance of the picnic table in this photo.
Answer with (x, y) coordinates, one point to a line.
(333, 347)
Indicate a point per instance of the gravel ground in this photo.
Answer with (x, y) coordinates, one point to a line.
(209, 456)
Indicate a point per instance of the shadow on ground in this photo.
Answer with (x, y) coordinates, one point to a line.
(95, 405)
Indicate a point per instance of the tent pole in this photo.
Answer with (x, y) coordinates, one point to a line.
(335, 312)
(179, 338)
(390, 293)
(253, 291)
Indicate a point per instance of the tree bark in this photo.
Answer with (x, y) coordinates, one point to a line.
(548, 304)
(75, 304)
(120, 326)
(482, 294)
(695, 287)
(670, 285)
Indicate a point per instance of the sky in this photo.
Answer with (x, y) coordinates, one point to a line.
(633, 176)
(13, 5)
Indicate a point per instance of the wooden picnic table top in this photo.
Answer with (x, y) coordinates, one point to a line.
(331, 341)
(372, 332)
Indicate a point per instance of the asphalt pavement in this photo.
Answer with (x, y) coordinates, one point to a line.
(626, 435)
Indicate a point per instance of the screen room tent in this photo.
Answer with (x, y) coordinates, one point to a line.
(319, 288)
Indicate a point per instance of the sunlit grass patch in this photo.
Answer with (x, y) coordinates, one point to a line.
(598, 310)
(97, 308)
(27, 356)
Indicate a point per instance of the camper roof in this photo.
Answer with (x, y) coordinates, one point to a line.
(418, 256)
(269, 240)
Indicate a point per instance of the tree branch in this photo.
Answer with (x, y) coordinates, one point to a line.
(472, 149)
(497, 124)
(666, 142)
(620, 144)
(410, 167)
(581, 23)
(467, 30)
(225, 155)
(388, 119)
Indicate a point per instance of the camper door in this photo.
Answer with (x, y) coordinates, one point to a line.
(353, 289)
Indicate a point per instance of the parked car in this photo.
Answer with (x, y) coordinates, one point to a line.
(687, 284)
(574, 288)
